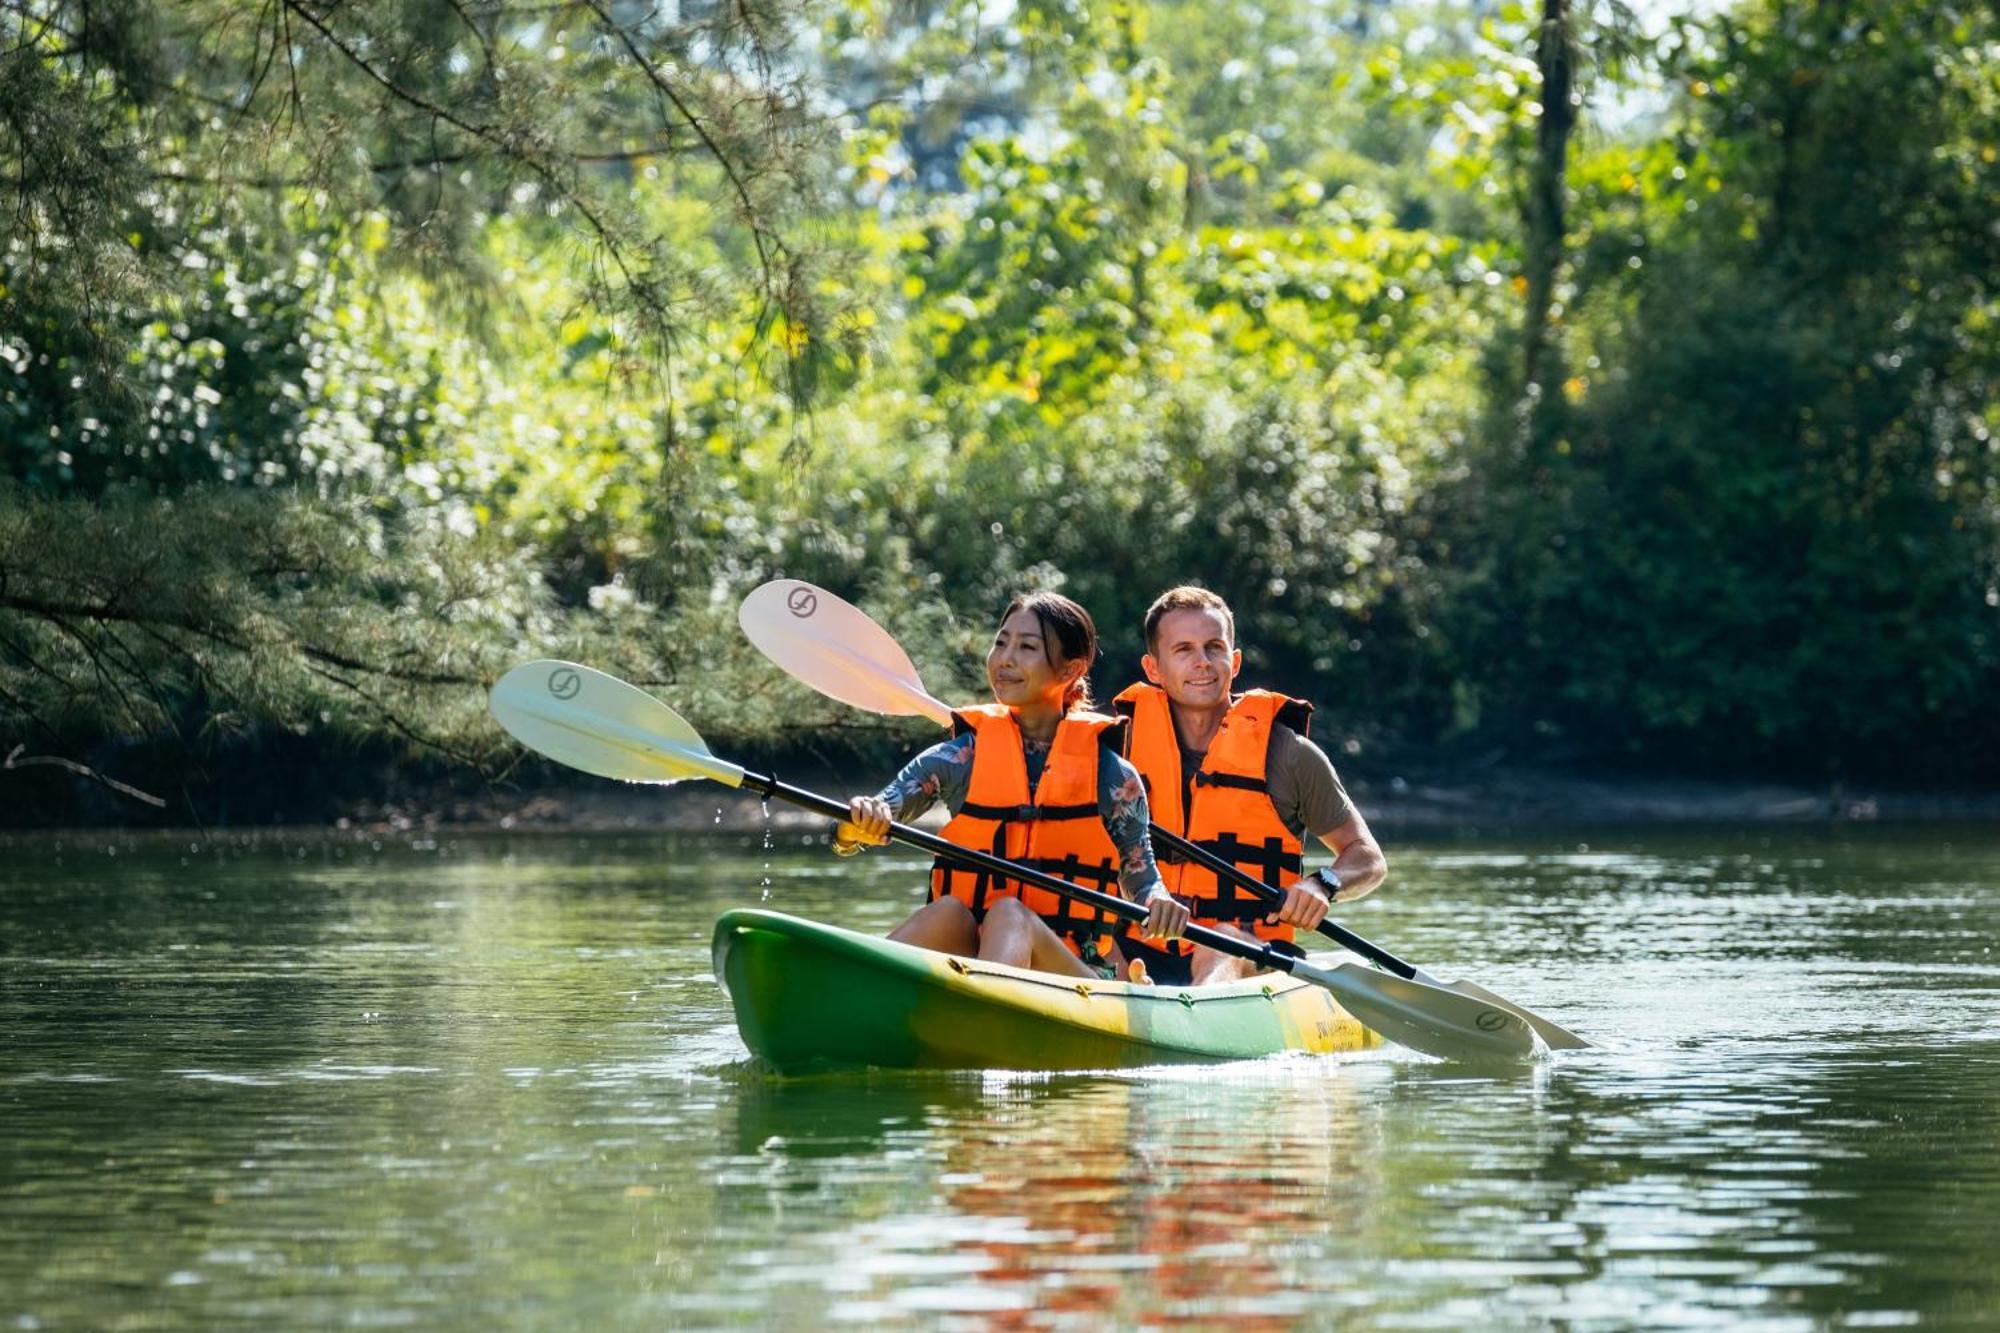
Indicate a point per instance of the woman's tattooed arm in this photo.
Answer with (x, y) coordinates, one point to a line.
(1121, 800)
(941, 773)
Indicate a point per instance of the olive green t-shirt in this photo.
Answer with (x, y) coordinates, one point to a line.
(1303, 786)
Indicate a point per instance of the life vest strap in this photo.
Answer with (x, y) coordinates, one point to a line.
(1070, 918)
(1026, 814)
(1267, 859)
(1236, 909)
(1064, 868)
(1102, 875)
(1237, 780)
(1073, 918)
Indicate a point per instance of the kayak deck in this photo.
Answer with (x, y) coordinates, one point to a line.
(812, 997)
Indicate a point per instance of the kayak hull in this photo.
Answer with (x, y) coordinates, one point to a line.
(811, 997)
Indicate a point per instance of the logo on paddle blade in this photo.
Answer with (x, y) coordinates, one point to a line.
(802, 602)
(564, 683)
(1490, 1020)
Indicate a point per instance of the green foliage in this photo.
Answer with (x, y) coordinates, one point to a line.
(220, 610)
(350, 354)
(1770, 532)
(133, 133)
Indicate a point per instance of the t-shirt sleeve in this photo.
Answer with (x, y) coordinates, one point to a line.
(1304, 787)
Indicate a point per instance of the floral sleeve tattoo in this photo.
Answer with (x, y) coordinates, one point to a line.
(941, 773)
(1121, 800)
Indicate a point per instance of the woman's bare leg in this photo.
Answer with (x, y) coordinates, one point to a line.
(945, 926)
(1013, 935)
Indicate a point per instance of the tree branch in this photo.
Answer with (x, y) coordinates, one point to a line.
(484, 133)
(765, 241)
(15, 759)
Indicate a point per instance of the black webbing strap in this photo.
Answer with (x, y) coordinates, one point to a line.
(1071, 918)
(1101, 875)
(1268, 860)
(1025, 814)
(1236, 780)
(982, 880)
(1063, 869)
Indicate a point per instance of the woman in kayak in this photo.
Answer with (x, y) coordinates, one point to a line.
(1085, 821)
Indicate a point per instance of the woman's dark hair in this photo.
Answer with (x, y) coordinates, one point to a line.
(1064, 625)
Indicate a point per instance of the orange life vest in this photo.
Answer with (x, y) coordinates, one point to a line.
(1230, 813)
(1058, 830)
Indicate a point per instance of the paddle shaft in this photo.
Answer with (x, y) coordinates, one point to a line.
(765, 785)
(1243, 879)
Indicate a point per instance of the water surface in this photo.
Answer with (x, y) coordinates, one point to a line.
(458, 1081)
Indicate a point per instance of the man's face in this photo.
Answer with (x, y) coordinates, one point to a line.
(1193, 659)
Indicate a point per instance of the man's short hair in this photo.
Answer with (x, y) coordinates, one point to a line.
(1187, 597)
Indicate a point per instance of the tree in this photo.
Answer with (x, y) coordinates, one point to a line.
(139, 138)
(220, 221)
(1768, 535)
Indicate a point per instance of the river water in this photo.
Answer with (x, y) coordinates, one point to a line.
(472, 1081)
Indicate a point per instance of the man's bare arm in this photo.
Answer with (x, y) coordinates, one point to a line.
(1357, 857)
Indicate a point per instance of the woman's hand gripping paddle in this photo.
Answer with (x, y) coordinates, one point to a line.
(834, 647)
(588, 720)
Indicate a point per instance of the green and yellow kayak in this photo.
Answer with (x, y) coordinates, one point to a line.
(812, 997)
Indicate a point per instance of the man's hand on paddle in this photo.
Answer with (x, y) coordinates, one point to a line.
(866, 825)
(1305, 906)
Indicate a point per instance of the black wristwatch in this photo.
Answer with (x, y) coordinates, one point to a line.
(1329, 877)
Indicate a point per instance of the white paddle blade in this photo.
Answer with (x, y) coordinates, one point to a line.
(577, 715)
(1425, 1018)
(1557, 1037)
(832, 645)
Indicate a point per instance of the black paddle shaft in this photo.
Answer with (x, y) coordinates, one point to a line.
(768, 786)
(1243, 879)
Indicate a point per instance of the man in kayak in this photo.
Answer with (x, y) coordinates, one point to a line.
(1028, 777)
(1235, 774)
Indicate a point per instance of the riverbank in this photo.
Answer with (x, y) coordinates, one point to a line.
(1488, 799)
(1498, 799)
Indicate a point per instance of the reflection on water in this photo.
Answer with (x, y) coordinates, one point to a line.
(1080, 1198)
(330, 1082)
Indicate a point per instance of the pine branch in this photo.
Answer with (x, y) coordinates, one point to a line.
(15, 759)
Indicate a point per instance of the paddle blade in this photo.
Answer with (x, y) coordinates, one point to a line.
(1426, 1018)
(579, 716)
(832, 645)
(1557, 1037)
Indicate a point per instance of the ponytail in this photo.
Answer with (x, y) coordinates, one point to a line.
(1078, 694)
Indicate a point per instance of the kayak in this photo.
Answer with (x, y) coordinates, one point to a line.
(813, 997)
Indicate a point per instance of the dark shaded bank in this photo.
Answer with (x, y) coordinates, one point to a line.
(1500, 800)
(286, 790)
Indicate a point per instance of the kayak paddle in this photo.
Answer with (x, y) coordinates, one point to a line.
(591, 721)
(835, 647)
